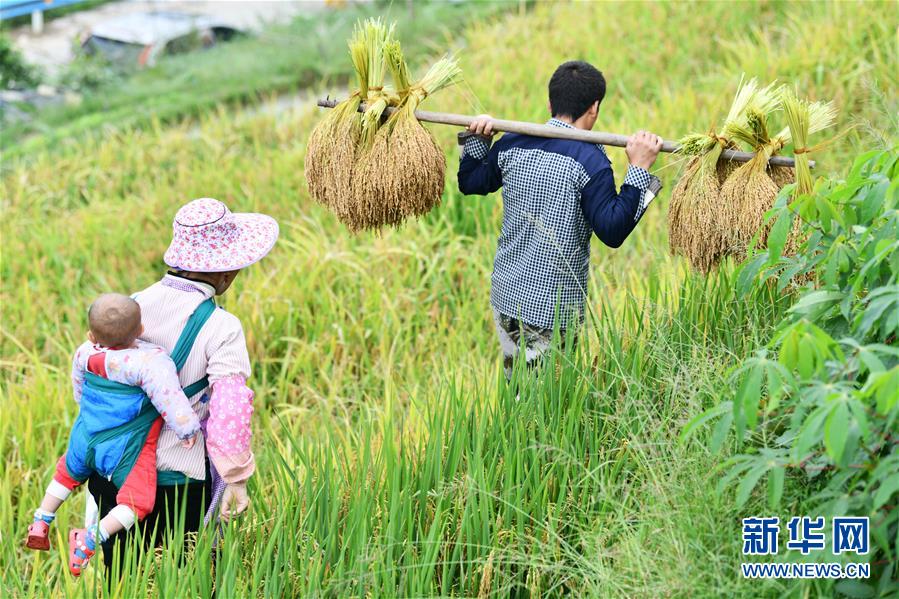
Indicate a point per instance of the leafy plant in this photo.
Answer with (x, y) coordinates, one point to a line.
(89, 73)
(14, 71)
(822, 398)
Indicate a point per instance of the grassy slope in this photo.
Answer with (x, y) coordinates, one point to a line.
(581, 482)
(282, 58)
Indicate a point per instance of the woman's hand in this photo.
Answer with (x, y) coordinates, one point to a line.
(235, 501)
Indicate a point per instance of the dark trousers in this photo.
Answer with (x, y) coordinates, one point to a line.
(192, 499)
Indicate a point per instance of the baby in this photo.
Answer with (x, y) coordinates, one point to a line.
(123, 386)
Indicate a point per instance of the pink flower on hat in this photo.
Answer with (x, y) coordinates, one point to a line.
(210, 238)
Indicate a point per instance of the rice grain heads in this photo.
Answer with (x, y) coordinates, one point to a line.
(395, 169)
(403, 174)
(331, 150)
(677, 232)
(697, 221)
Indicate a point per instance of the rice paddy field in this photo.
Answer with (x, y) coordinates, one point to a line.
(393, 461)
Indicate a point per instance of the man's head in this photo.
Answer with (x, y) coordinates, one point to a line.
(575, 91)
(114, 320)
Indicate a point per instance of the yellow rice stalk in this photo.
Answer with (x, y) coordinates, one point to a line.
(376, 35)
(803, 119)
(396, 63)
(331, 150)
(404, 173)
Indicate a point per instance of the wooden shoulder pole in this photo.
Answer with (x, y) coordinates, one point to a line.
(596, 137)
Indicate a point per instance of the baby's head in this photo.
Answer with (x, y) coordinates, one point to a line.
(114, 320)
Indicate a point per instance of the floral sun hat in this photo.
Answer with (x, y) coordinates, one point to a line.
(210, 238)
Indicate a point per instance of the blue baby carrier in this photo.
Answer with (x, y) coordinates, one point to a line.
(115, 419)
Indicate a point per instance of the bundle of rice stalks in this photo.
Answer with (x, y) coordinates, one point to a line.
(697, 222)
(331, 150)
(748, 193)
(677, 235)
(403, 173)
(754, 187)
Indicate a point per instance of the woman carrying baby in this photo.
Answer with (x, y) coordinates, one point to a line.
(210, 246)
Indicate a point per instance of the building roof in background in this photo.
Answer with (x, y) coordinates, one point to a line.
(149, 28)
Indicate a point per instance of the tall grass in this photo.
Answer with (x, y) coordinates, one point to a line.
(393, 460)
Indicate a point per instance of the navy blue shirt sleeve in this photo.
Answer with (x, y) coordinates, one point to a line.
(612, 215)
(478, 168)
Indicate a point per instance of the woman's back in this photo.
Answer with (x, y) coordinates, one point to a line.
(220, 351)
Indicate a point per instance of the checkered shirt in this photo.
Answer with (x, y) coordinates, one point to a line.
(556, 194)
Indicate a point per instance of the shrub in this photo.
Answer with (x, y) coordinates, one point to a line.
(15, 73)
(821, 400)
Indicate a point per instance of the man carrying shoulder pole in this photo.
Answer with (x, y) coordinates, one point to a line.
(556, 194)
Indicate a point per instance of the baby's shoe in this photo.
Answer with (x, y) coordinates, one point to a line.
(38, 536)
(81, 548)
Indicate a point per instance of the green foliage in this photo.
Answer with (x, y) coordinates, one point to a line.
(821, 401)
(87, 74)
(15, 73)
